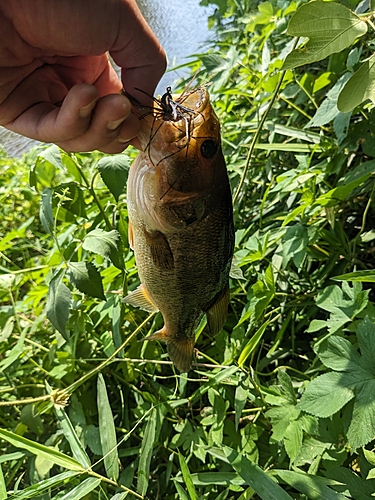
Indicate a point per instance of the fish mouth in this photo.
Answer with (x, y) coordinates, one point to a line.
(184, 106)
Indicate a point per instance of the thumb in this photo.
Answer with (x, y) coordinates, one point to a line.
(139, 54)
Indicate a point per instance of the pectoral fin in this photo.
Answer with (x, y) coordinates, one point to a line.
(218, 312)
(180, 349)
(160, 250)
(140, 298)
(130, 235)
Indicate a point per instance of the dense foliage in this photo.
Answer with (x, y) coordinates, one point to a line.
(280, 405)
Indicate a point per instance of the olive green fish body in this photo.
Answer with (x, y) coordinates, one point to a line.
(181, 225)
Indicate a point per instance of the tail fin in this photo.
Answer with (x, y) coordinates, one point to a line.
(180, 349)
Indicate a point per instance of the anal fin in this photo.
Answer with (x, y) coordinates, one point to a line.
(140, 298)
(218, 312)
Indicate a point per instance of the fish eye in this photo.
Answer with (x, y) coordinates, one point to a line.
(209, 148)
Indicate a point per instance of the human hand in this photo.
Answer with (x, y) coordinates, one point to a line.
(56, 82)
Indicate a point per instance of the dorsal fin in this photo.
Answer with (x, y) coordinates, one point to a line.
(218, 312)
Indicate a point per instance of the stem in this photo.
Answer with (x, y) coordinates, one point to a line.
(90, 187)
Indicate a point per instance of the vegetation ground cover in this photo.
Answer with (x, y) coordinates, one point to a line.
(280, 404)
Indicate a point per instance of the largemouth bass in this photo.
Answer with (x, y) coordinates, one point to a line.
(181, 221)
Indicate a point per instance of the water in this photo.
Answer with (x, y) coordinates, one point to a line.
(181, 27)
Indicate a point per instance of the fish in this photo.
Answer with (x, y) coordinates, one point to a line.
(181, 220)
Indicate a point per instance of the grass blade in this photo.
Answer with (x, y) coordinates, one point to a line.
(76, 446)
(313, 487)
(146, 453)
(3, 488)
(36, 490)
(82, 489)
(182, 495)
(252, 344)
(187, 477)
(255, 477)
(107, 431)
(40, 450)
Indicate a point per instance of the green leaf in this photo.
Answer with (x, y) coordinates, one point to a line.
(146, 454)
(187, 477)
(85, 277)
(182, 495)
(3, 488)
(359, 88)
(330, 27)
(361, 276)
(69, 196)
(314, 487)
(37, 489)
(45, 212)
(107, 431)
(58, 303)
(114, 172)
(328, 110)
(214, 478)
(255, 477)
(40, 450)
(327, 394)
(104, 243)
(82, 489)
(355, 378)
(252, 344)
(70, 435)
(53, 155)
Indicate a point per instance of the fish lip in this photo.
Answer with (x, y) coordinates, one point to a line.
(197, 111)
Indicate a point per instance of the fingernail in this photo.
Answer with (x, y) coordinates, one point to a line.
(85, 111)
(122, 140)
(115, 123)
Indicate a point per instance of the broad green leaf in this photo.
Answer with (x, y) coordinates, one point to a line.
(82, 489)
(358, 487)
(53, 155)
(328, 393)
(114, 172)
(187, 477)
(254, 476)
(314, 487)
(45, 212)
(107, 431)
(70, 435)
(38, 449)
(328, 110)
(85, 277)
(359, 88)
(3, 488)
(252, 344)
(58, 303)
(339, 354)
(146, 454)
(361, 276)
(37, 489)
(362, 426)
(330, 27)
(104, 243)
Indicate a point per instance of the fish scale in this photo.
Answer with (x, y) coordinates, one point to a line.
(181, 222)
